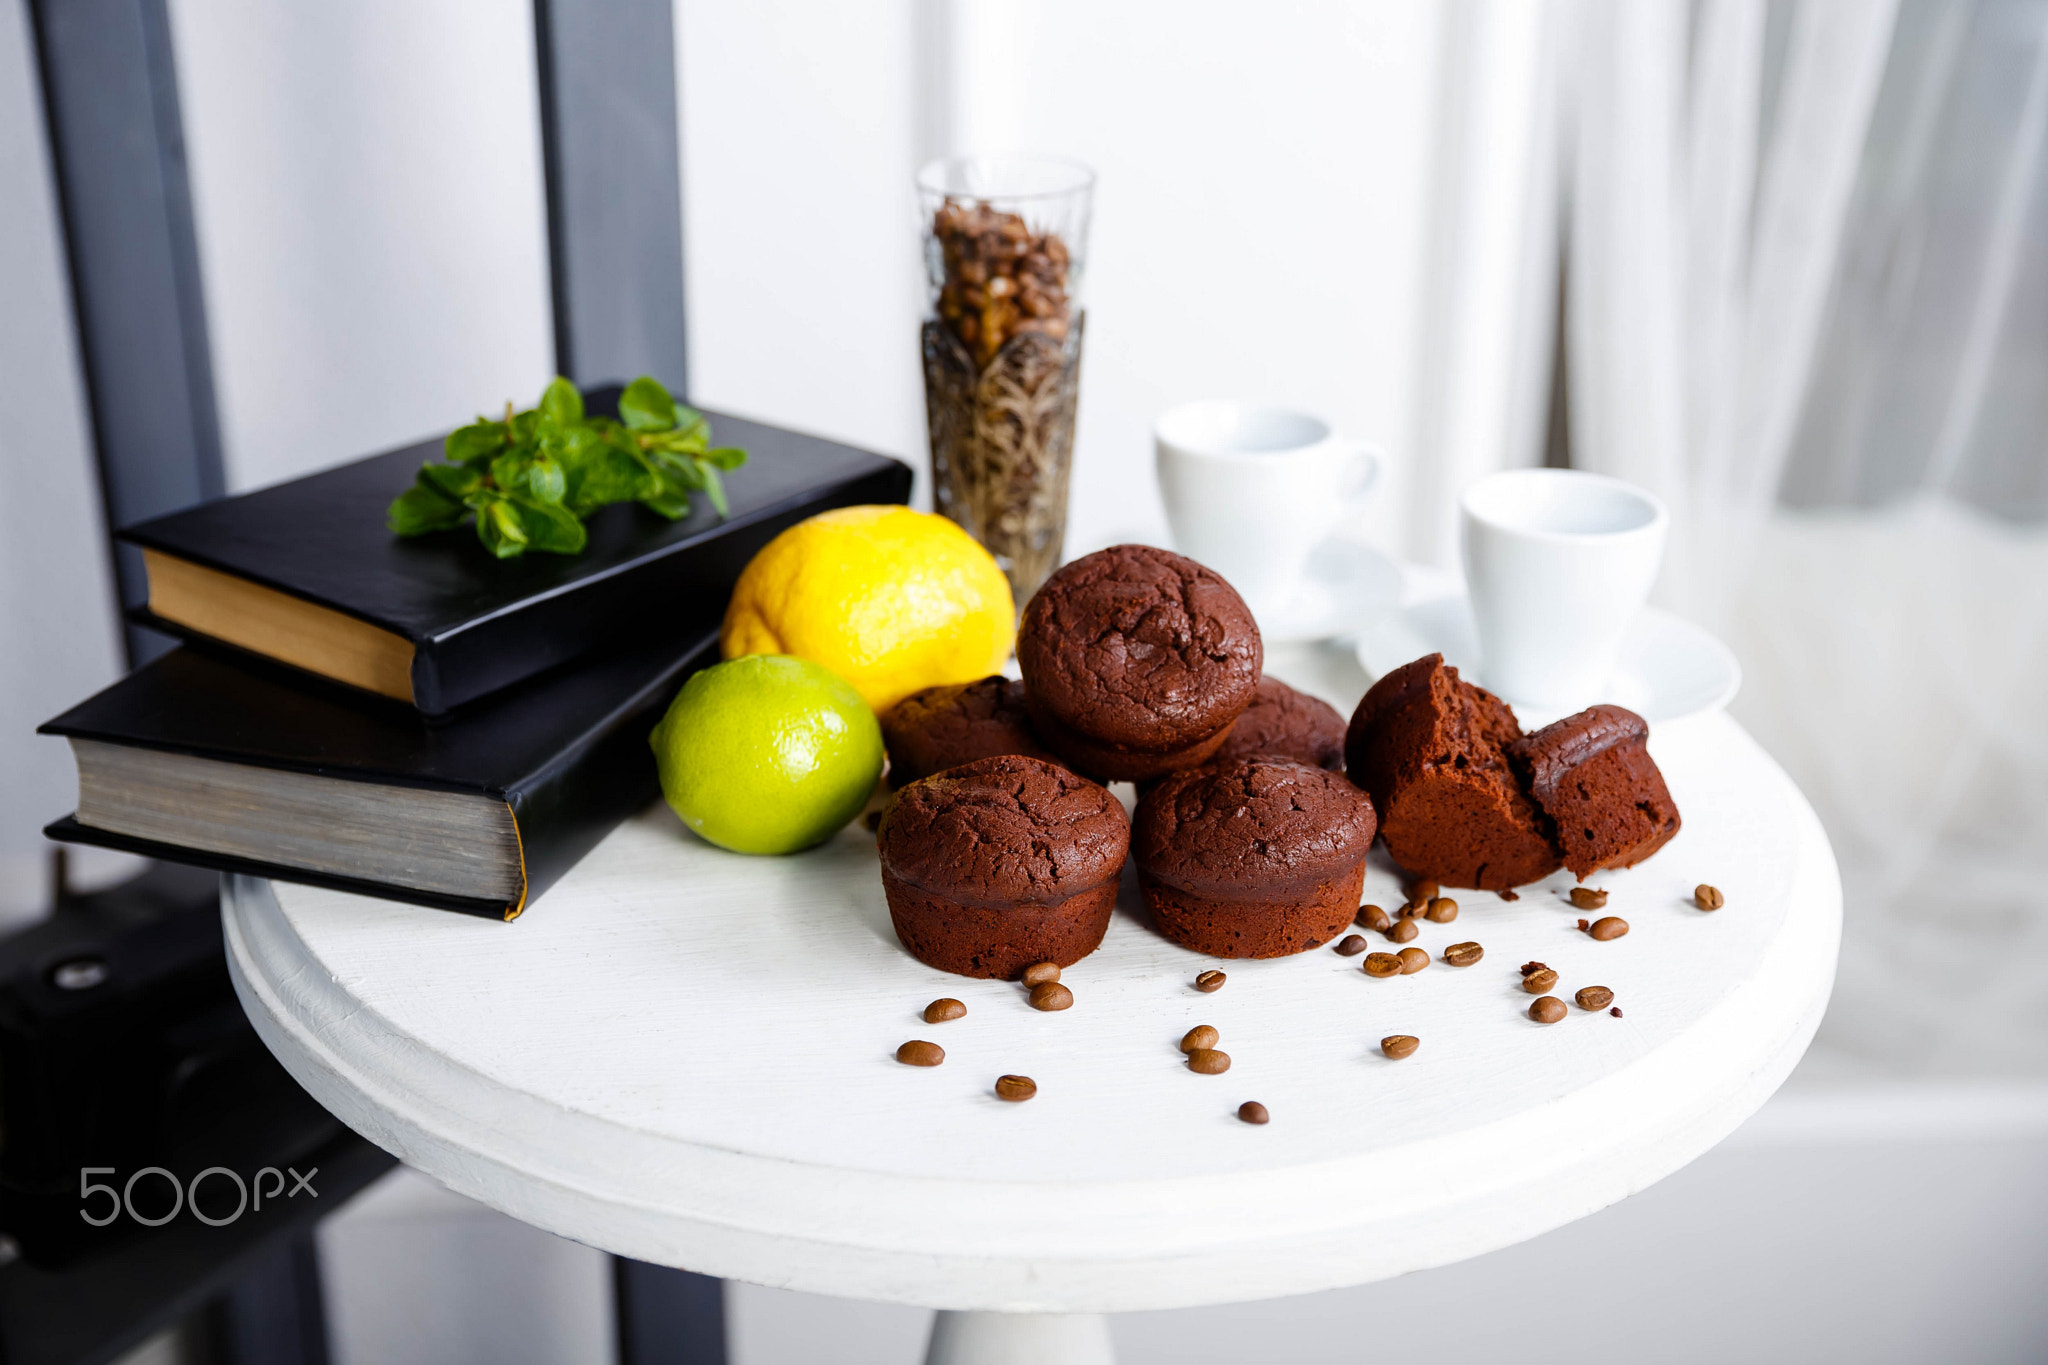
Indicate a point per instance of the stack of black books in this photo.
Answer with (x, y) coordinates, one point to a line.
(413, 718)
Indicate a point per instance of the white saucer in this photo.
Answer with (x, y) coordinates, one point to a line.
(1346, 589)
(1669, 668)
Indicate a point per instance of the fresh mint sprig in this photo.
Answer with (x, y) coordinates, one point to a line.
(530, 478)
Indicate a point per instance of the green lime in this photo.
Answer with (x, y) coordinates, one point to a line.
(767, 754)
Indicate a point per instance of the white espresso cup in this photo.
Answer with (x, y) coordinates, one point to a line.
(1251, 491)
(1558, 562)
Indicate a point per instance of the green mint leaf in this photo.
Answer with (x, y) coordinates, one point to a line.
(714, 488)
(671, 502)
(545, 480)
(478, 441)
(646, 406)
(552, 529)
(500, 528)
(455, 481)
(724, 457)
(561, 404)
(420, 509)
(691, 424)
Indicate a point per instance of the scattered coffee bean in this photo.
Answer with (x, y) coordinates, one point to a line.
(1015, 1088)
(1616, 1011)
(1403, 931)
(1208, 1061)
(1530, 967)
(1382, 964)
(1594, 998)
(1210, 981)
(1508, 895)
(1607, 927)
(1051, 995)
(1582, 926)
(1351, 945)
(1586, 898)
(1708, 897)
(1422, 893)
(1373, 917)
(1413, 960)
(1200, 1036)
(1443, 910)
(939, 1011)
(917, 1052)
(1399, 1045)
(1038, 973)
(1539, 981)
(1414, 909)
(1251, 1111)
(1548, 1010)
(1463, 954)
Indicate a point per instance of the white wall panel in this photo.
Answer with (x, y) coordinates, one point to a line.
(366, 181)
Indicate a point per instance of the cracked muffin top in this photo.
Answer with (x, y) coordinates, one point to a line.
(1252, 828)
(1285, 724)
(1139, 647)
(999, 831)
(941, 727)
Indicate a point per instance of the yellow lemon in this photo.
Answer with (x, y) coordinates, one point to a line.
(889, 599)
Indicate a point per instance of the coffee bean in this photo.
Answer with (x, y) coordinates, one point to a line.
(1708, 897)
(1422, 893)
(1607, 927)
(1399, 1045)
(1529, 967)
(1038, 973)
(1508, 895)
(1594, 998)
(1616, 1011)
(1015, 1089)
(1382, 964)
(1586, 898)
(1443, 910)
(1414, 909)
(1251, 1111)
(1539, 981)
(1413, 960)
(1373, 917)
(1351, 945)
(917, 1052)
(1548, 1010)
(1210, 981)
(1051, 995)
(1200, 1036)
(1463, 954)
(1403, 931)
(939, 1011)
(1208, 1061)
(1582, 926)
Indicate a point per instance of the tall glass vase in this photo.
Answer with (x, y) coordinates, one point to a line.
(1005, 246)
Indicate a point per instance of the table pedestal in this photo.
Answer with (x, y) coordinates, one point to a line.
(1019, 1339)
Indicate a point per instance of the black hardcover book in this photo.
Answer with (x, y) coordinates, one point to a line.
(306, 572)
(195, 759)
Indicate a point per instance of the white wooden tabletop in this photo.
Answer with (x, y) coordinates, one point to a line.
(686, 1056)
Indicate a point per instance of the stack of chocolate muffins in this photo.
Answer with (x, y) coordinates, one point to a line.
(1003, 848)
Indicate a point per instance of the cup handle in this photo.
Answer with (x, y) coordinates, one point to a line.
(1365, 473)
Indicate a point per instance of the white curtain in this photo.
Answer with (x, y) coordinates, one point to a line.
(1807, 302)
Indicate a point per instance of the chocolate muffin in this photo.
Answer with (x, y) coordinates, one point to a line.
(1002, 862)
(1592, 774)
(1285, 724)
(1136, 662)
(1431, 748)
(942, 727)
(1253, 857)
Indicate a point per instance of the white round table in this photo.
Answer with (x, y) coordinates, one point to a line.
(686, 1056)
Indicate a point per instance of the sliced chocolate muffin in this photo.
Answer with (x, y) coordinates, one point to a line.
(1592, 774)
(1285, 724)
(1431, 748)
(1253, 857)
(1137, 661)
(942, 727)
(1002, 862)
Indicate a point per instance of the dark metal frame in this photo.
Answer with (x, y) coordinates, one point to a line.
(609, 144)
